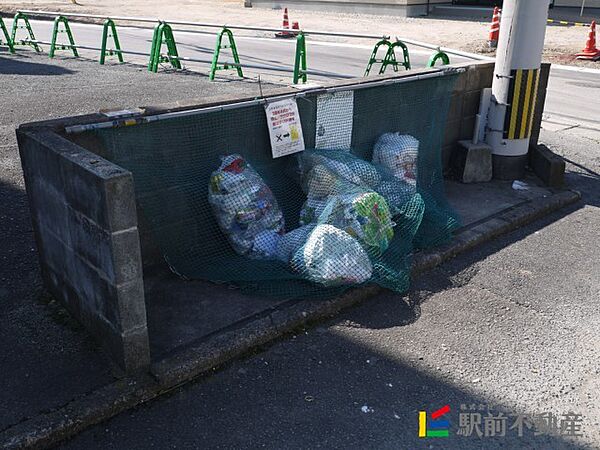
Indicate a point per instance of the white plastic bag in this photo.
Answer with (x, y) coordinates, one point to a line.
(245, 208)
(332, 257)
(399, 153)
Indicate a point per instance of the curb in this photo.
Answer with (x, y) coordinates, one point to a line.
(200, 359)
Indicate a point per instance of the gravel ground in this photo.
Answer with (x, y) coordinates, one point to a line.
(46, 358)
(465, 34)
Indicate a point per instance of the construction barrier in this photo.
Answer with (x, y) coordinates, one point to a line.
(163, 34)
(55, 33)
(234, 53)
(300, 59)
(7, 38)
(19, 16)
(389, 58)
(438, 56)
(566, 23)
(109, 29)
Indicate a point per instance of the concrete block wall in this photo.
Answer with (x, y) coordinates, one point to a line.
(464, 105)
(85, 222)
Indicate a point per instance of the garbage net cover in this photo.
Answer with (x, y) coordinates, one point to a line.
(309, 225)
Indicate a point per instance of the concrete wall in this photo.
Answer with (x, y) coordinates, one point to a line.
(85, 223)
(577, 3)
(465, 105)
(381, 7)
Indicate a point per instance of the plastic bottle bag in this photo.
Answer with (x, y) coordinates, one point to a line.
(399, 153)
(332, 257)
(291, 241)
(245, 208)
(364, 215)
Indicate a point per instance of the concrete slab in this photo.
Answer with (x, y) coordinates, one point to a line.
(475, 202)
(182, 313)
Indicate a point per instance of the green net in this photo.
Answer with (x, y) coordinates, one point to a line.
(306, 225)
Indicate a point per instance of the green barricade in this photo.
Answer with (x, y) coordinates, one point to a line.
(234, 53)
(56, 31)
(163, 34)
(300, 59)
(373, 59)
(19, 16)
(7, 37)
(390, 57)
(440, 55)
(110, 30)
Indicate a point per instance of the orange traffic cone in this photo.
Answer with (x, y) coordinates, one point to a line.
(286, 25)
(590, 52)
(295, 28)
(286, 20)
(494, 29)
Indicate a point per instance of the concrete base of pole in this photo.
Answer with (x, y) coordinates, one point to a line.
(509, 167)
(472, 163)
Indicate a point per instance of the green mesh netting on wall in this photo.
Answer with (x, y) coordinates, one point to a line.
(306, 225)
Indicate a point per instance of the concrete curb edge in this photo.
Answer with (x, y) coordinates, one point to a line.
(52, 427)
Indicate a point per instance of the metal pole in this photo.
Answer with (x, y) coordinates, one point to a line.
(514, 88)
(582, 8)
(75, 129)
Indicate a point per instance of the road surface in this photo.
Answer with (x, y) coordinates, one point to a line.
(569, 104)
(333, 59)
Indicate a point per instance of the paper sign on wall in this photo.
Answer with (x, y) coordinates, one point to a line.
(285, 129)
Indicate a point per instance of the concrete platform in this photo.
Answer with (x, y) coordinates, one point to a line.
(184, 314)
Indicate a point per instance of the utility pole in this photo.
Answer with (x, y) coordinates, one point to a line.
(514, 89)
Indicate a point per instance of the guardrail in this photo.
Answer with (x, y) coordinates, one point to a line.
(163, 35)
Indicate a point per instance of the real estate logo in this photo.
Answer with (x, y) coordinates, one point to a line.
(435, 427)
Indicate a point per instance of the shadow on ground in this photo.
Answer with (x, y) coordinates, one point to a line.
(22, 67)
(321, 389)
(47, 359)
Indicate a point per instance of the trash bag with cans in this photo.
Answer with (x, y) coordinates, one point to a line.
(245, 208)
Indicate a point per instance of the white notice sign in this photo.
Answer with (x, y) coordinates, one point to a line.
(285, 130)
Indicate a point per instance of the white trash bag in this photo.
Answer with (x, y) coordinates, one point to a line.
(332, 257)
(399, 153)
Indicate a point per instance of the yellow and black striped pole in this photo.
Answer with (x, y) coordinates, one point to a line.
(515, 85)
(522, 96)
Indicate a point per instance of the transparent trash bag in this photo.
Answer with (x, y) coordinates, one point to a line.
(245, 208)
(399, 153)
(331, 257)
